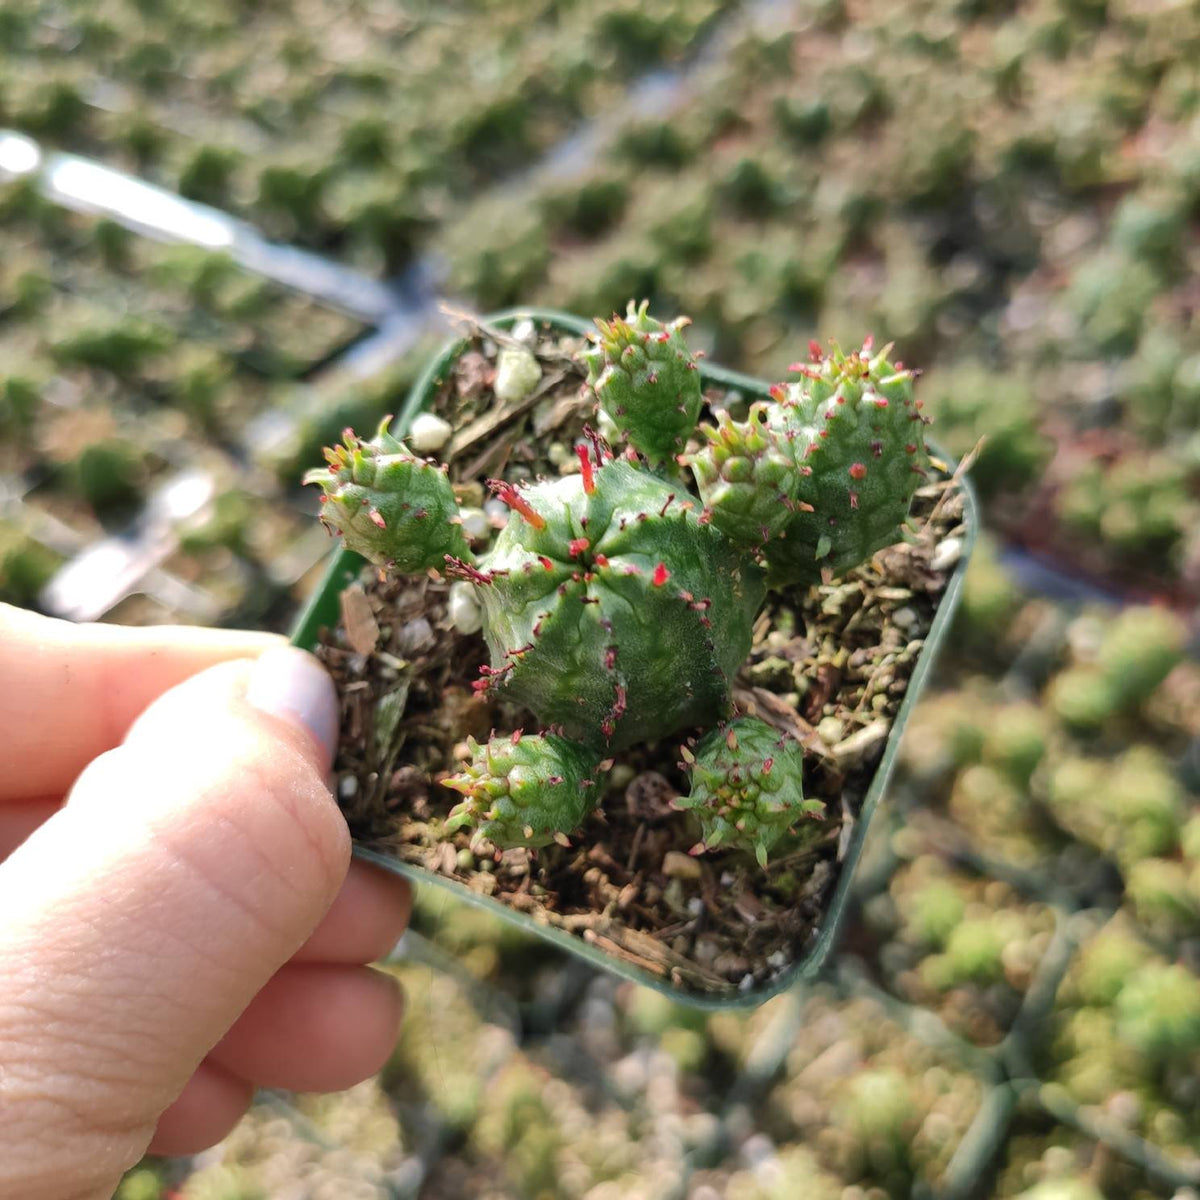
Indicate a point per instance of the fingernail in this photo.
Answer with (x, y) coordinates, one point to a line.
(291, 684)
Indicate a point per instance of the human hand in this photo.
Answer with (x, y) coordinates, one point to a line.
(179, 919)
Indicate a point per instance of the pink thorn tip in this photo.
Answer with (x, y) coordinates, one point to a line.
(661, 575)
(377, 518)
(517, 502)
(585, 468)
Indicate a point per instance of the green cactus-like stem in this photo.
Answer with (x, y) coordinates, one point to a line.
(612, 609)
(646, 380)
(746, 788)
(747, 475)
(525, 790)
(857, 436)
(393, 508)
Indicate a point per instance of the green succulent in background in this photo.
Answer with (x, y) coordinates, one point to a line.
(121, 346)
(1137, 651)
(1158, 1012)
(1159, 384)
(1140, 505)
(454, 1085)
(974, 951)
(26, 565)
(1015, 742)
(290, 195)
(207, 174)
(590, 208)
(1082, 698)
(617, 606)
(1131, 808)
(1106, 963)
(935, 911)
(1165, 896)
(806, 121)
(142, 1183)
(385, 223)
(880, 1112)
(972, 402)
(1110, 295)
(517, 1126)
(1150, 229)
(497, 252)
(1063, 1189)
(990, 596)
(20, 401)
(797, 1172)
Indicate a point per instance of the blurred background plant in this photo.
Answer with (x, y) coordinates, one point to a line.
(1011, 191)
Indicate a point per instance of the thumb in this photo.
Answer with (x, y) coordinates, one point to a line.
(137, 923)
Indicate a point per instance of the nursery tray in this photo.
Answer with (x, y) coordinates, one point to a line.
(323, 612)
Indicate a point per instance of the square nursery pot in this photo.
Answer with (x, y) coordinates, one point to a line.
(808, 954)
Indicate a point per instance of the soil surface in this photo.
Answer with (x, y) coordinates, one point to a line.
(829, 665)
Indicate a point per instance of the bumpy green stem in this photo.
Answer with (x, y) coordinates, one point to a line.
(612, 609)
(747, 788)
(646, 381)
(393, 508)
(747, 477)
(857, 437)
(525, 790)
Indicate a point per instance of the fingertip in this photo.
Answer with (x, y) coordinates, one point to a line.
(315, 1029)
(365, 922)
(291, 684)
(212, 1102)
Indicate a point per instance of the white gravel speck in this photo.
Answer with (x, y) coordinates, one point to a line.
(946, 553)
(429, 433)
(464, 609)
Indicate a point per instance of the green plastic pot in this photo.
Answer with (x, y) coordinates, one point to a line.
(322, 611)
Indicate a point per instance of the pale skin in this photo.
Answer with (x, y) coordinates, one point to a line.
(180, 921)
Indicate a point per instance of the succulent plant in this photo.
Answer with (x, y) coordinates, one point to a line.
(521, 791)
(616, 605)
(745, 788)
(854, 434)
(394, 508)
(1158, 1011)
(611, 609)
(646, 380)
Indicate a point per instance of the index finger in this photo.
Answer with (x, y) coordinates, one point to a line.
(70, 692)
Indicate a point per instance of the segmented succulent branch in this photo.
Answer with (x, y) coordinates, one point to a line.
(747, 788)
(857, 436)
(393, 508)
(646, 381)
(746, 474)
(612, 609)
(525, 790)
